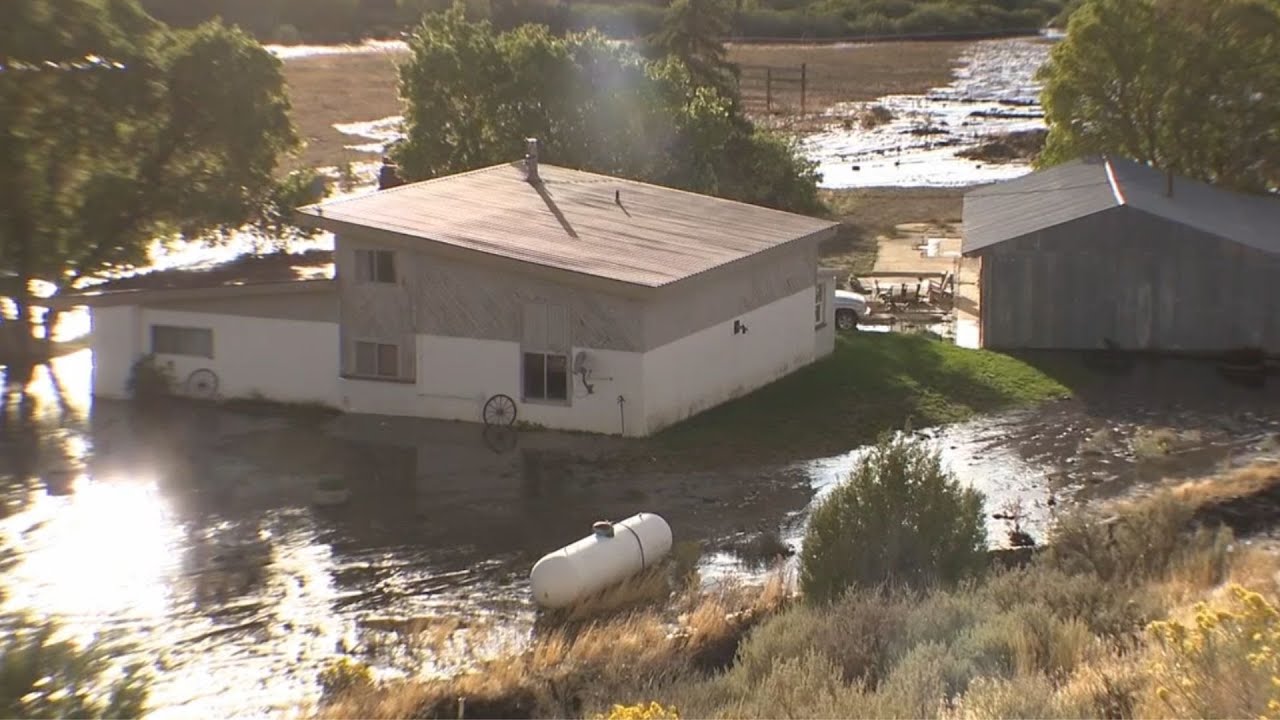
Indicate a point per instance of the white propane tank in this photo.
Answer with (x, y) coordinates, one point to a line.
(597, 561)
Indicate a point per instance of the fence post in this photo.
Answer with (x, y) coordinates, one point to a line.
(803, 84)
(768, 90)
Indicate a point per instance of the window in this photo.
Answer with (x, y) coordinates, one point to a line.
(546, 376)
(378, 266)
(545, 352)
(820, 304)
(171, 340)
(377, 360)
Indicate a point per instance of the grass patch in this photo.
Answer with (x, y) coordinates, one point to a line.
(872, 383)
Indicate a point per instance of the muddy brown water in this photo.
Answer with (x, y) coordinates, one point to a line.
(197, 537)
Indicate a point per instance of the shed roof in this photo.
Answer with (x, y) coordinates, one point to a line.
(571, 220)
(1062, 193)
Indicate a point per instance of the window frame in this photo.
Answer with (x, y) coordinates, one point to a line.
(181, 329)
(545, 397)
(378, 347)
(370, 268)
(820, 304)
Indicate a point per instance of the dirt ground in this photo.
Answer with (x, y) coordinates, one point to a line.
(869, 214)
(329, 89)
(360, 87)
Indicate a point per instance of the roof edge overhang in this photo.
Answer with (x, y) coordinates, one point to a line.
(139, 296)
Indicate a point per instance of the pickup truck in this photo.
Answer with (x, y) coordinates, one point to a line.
(850, 309)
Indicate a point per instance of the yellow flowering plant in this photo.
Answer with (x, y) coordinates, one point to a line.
(652, 711)
(1223, 663)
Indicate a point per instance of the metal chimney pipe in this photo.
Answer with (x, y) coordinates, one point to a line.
(1168, 183)
(531, 160)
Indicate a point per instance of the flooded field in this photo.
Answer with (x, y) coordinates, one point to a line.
(199, 538)
(994, 92)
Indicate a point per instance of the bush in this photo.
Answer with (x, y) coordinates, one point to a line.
(344, 675)
(43, 677)
(652, 711)
(149, 380)
(898, 519)
(1225, 664)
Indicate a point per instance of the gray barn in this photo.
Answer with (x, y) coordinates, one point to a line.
(1105, 249)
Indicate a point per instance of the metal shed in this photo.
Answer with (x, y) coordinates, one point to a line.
(1106, 250)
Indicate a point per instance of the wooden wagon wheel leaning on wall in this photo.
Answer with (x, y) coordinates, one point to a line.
(202, 383)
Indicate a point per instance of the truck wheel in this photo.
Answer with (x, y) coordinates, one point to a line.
(846, 320)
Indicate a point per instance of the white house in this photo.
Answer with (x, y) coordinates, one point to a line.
(590, 302)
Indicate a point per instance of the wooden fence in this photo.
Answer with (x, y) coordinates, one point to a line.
(773, 86)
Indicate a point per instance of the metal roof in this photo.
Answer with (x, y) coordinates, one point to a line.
(1066, 192)
(577, 221)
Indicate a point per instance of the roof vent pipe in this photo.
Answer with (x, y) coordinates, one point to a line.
(1168, 183)
(531, 160)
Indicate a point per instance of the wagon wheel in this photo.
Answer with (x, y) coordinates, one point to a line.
(202, 383)
(499, 410)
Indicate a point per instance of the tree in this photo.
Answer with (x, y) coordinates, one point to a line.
(693, 31)
(116, 130)
(1191, 86)
(472, 96)
(898, 519)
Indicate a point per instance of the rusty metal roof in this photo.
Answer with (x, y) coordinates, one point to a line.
(1066, 192)
(622, 230)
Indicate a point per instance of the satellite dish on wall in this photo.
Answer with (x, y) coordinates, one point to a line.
(583, 363)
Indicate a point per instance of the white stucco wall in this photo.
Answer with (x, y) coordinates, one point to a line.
(288, 360)
(702, 370)
(455, 376)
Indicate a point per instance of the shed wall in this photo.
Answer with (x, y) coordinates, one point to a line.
(1143, 282)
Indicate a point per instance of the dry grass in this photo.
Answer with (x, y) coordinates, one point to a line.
(569, 669)
(1243, 482)
(329, 89)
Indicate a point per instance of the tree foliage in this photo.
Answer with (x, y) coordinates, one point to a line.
(115, 130)
(1191, 86)
(472, 96)
(693, 31)
(899, 519)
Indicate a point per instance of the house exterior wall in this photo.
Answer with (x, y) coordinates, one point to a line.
(1140, 281)
(713, 365)
(456, 376)
(280, 358)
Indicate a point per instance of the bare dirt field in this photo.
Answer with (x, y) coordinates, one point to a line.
(329, 89)
(360, 87)
(868, 214)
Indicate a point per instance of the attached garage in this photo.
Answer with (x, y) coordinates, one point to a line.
(1108, 252)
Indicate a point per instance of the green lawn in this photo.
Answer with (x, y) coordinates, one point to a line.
(872, 383)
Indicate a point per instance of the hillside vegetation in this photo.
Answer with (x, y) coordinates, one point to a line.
(291, 21)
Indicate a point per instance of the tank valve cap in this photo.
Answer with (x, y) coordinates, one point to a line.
(603, 528)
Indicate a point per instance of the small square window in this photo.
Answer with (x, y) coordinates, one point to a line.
(820, 304)
(546, 376)
(376, 266)
(377, 359)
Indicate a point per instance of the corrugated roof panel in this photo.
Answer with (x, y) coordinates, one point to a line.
(1073, 190)
(1037, 201)
(653, 236)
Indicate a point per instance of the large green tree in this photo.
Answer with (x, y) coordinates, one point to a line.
(116, 130)
(1191, 86)
(472, 95)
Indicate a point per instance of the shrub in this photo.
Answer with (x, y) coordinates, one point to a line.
(898, 519)
(1146, 540)
(1108, 609)
(149, 380)
(41, 676)
(1225, 664)
(652, 711)
(344, 675)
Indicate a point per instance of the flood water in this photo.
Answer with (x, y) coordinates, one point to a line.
(994, 92)
(201, 542)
